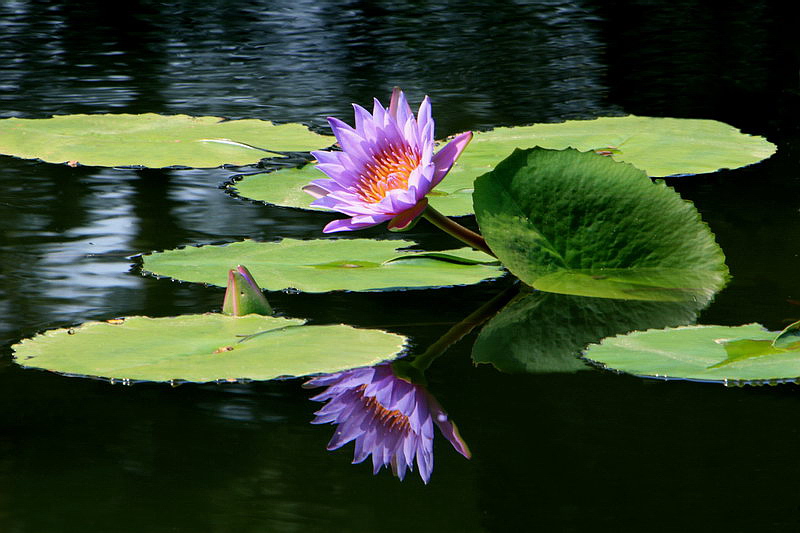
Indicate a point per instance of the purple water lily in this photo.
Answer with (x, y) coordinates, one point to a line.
(385, 168)
(387, 417)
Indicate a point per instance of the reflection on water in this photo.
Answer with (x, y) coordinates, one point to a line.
(303, 61)
(545, 333)
(386, 416)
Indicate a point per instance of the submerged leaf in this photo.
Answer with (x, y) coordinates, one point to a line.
(151, 140)
(327, 265)
(203, 348)
(578, 223)
(732, 355)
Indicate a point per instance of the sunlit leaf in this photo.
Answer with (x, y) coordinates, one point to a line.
(539, 332)
(151, 140)
(326, 265)
(732, 355)
(578, 223)
(202, 348)
(659, 146)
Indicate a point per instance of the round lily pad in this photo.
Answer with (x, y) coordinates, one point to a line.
(731, 355)
(323, 265)
(151, 140)
(203, 348)
(579, 223)
(660, 146)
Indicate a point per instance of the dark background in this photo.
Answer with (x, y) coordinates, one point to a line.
(553, 452)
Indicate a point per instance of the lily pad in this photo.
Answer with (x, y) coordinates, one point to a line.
(150, 140)
(203, 348)
(539, 332)
(731, 355)
(327, 265)
(579, 223)
(659, 146)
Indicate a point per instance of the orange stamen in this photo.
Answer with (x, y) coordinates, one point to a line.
(389, 170)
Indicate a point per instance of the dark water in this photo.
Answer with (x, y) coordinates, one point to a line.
(553, 452)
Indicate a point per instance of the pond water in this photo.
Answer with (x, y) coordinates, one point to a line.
(582, 451)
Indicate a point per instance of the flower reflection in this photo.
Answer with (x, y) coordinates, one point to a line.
(385, 168)
(387, 417)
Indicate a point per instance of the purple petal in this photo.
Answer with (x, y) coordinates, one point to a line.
(327, 156)
(403, 114)
(337, 173)
(345, 224)
(379, 113)
(397, 94)
(424, 115)
(353, 145)
(338, 126)
(421, 179)
(444, 158)
(448, 428)
(365, 124)
(425, 464)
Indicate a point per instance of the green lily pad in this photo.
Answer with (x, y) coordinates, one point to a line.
(731, 355)
(282, 187)
(326, 265)
(203, 348)
(659, 146)
(579, 223)
(539, 332)
(151, 140)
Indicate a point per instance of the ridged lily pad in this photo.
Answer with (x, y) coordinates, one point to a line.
(731, 355)
(326, 265)
(579, 223)
(659, 146)
(539, 332)
(203, 348)
(151, 140)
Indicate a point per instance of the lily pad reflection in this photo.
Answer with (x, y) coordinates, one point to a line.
(541, 332)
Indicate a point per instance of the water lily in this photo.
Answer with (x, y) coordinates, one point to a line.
(386, 167)
(388, 417)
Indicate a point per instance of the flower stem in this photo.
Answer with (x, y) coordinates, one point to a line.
(460, 330)
(458, 231)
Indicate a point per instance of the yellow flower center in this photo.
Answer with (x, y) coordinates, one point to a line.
(389, 170)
